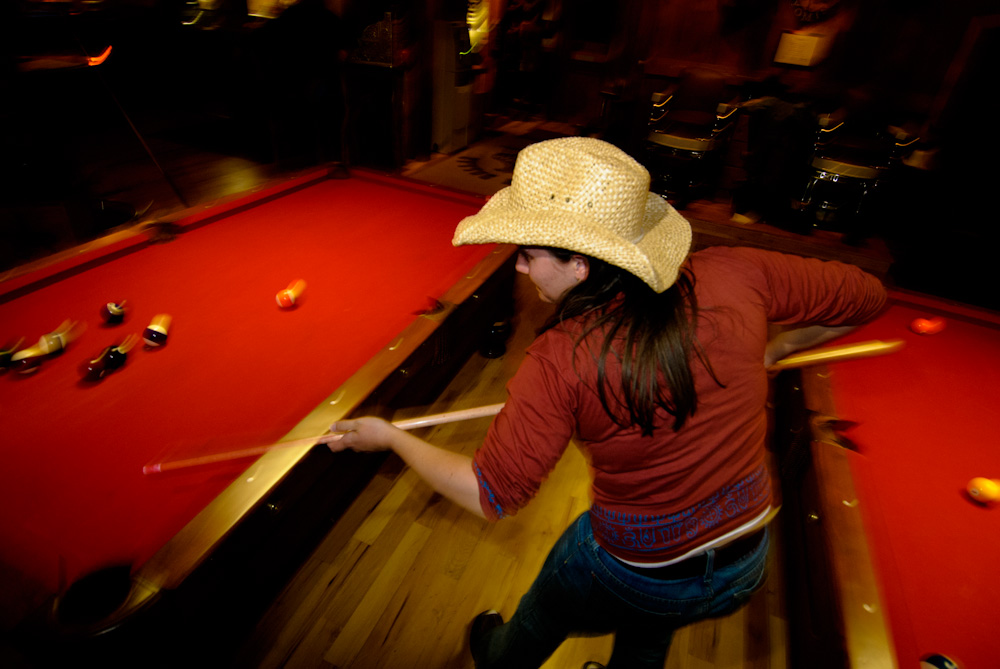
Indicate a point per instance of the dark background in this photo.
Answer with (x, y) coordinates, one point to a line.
(353, 82)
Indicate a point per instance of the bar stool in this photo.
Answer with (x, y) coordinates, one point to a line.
(846, 174)
(689, 127)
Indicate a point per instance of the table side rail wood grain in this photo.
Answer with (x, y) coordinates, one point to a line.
(837, 613)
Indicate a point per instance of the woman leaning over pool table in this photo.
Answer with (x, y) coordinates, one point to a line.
(655, 362)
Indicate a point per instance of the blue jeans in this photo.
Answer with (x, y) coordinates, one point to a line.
(583, 590)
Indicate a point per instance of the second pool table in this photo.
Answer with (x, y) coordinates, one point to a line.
(891, 560)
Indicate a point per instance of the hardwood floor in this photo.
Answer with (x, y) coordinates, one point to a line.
(398, 578)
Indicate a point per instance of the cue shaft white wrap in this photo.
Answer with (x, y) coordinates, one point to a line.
(406, 424)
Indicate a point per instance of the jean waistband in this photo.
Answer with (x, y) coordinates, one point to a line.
(696, 565)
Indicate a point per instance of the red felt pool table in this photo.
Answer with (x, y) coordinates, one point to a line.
(237, 370)
(891, 558)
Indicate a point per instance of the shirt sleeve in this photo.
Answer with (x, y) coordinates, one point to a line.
(808, 291)
(530, 434)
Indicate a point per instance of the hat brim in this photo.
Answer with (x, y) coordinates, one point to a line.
(656, 258)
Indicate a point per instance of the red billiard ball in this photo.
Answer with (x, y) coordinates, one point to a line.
(116, 358)
(27, 360)
(94, 370)
(110, 359)
(26, 365)
(7, 352)
(927, 326)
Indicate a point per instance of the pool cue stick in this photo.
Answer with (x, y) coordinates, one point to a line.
(448, 417)
(819, 356)
(406, 424)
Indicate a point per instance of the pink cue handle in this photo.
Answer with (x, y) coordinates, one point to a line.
(407, 424)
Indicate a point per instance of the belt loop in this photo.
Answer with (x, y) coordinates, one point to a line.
(709, 567)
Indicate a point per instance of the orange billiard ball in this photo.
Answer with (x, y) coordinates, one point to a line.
(983, 489)
(927, 326)
(289, 296)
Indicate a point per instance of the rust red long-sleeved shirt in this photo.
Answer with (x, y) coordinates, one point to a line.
(658, 497)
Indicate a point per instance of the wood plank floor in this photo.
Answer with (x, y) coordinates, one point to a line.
(398, 578)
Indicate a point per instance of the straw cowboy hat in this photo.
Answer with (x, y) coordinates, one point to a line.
(588, 196)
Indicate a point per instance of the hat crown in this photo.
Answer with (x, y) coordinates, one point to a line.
(590, 197)
(585, 177)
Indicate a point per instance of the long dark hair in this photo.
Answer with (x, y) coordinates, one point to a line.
(657, 339)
